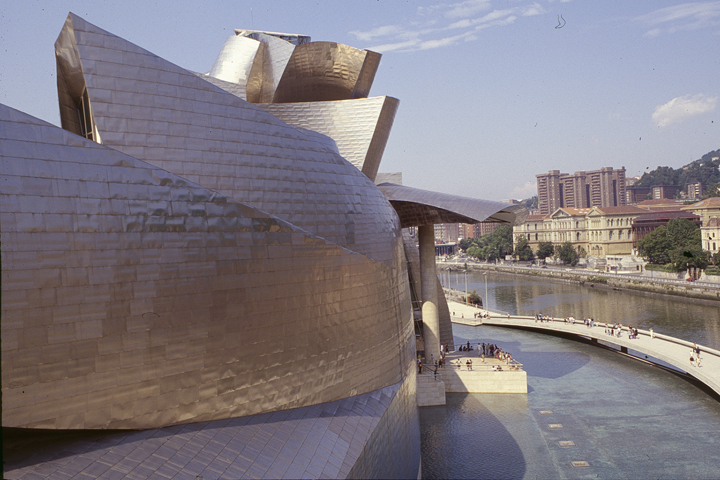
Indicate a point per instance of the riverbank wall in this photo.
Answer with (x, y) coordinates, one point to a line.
(662, 286)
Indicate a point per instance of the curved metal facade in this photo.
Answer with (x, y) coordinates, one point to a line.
(215, 262)
(133, 298)
(360, 128)
(322, 71)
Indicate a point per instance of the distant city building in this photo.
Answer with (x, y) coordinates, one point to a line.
(600, 231)
(646, 223)
(447, 232)
(695, 191)
(597, 188)
(664, 191)
(709, 212)
(635, 194)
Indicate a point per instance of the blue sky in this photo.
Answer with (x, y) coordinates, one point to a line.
(491, 92)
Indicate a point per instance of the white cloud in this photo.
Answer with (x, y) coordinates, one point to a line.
(490, 17)
(528, 190)
(377, 32)
(442, 42)
(534, 9)
(686, 16)
(681, 108)
(389, 47)
(467, 8)
(431, 29)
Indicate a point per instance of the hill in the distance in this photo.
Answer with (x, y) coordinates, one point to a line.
(705, 170)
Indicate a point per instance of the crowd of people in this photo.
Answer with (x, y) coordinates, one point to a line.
(485, 350)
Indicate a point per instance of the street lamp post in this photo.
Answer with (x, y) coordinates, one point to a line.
(466, 296)
(485, 303)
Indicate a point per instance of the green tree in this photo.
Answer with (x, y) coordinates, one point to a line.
(474, 298)
(530, 203)
(682, 231)
(466, 243)
(655, 246)
(523, 249)
(566, 252)
(493, 245)
(582, 253)
(677, 244)
(545, 249)
(690, 256)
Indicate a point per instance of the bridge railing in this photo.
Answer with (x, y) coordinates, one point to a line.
(647, 333)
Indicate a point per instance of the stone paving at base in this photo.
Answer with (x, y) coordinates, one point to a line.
(322, 441)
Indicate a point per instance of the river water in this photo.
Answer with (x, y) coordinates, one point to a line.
(625, 418)
(691, 320)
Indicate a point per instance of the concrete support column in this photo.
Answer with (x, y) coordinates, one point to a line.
(428, 275)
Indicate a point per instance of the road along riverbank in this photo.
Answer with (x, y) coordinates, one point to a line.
(616, 281)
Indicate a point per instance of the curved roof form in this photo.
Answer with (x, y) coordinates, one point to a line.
(322, 71)
(359, 127)
(417, 207)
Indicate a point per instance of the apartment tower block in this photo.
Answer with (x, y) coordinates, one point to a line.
(597, 188)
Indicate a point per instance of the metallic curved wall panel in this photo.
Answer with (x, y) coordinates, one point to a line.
(236, 89)
(70, 81)
(421, 207)
(360, 127)
(160, 113)
(268, 68)
(133, 298)
(322, 71)
(235, 59)
(355, 429)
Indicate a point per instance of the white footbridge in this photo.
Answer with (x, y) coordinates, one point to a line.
(670, 350)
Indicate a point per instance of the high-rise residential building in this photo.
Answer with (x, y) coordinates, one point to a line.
(597, 188)
(695, 191)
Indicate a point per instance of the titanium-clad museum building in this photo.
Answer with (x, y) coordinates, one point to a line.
(202, 266)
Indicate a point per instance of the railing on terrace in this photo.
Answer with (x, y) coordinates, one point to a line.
(477, 366)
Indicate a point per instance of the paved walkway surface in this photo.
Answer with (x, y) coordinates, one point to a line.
(673, 351)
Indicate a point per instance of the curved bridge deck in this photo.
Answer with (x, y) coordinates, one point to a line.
(670, 350)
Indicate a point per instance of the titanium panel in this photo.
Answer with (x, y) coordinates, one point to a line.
(236, 89)
(360, 127)
(361, 436)
(235, 59)
(133, 298)
(268, 68)
(417, 207)
(162, 114)
(322, 71)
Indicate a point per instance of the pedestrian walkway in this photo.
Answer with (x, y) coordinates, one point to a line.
(673, 351)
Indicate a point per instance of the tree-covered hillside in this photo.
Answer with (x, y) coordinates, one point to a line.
(703, 170)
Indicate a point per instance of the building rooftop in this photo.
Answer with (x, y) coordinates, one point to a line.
(624, 210)
(712, 202)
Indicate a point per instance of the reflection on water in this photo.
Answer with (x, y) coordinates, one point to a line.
(463, 439)
(687, 319)
(627, 419)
